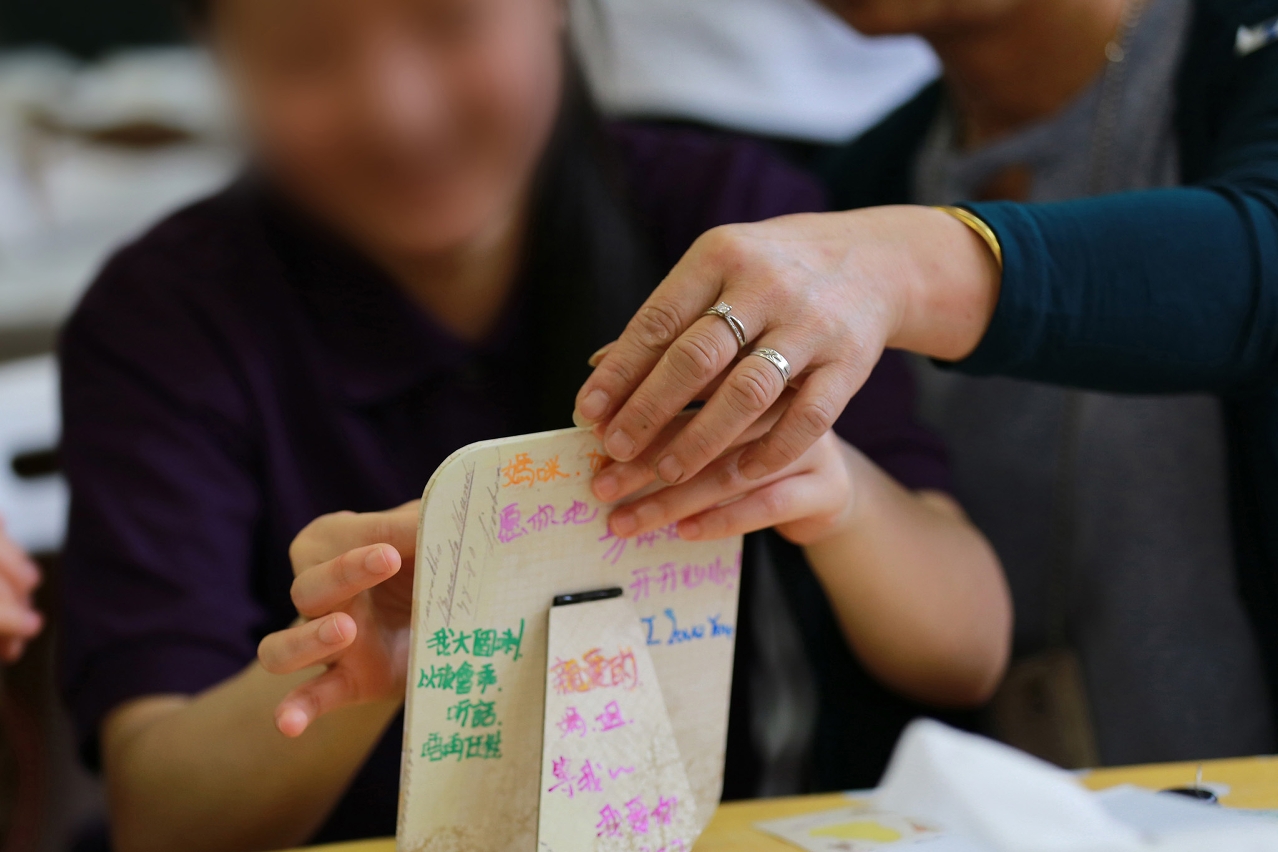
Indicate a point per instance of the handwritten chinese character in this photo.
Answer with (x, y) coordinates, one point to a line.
(598, 670)
(442, 677)
(440, 642)
(492, 746)
(663, 813)
(587, 781)
(519, 471)
(460, 713)
(637, 815)
(618, 771)
(624, 670)
(572, 722)
(465, 678)
(484, 643)
(598, 461)
(485, 678)
(475, 746)
(550, 471)
(616, 549)
(611, 718)
(609, 824)
(669, 578)
(576, 514)
(510, 643)
(561, 768)
(436, 748)
(483, 714)
(510, 525)
(641, 584)
(542, 518)
(570, 677)
(693, 576)
(460, 643)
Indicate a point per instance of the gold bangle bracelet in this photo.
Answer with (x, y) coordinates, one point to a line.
(982, 230)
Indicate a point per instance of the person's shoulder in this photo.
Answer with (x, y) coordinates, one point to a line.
(684, 180)
(875, 168)
(194, 255)
(170, 309)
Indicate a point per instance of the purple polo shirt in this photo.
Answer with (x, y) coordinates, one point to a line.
(225, 383)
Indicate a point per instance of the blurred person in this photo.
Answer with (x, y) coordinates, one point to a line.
(1117, 160)
(783, 69)
(434, 235)
(19, 620)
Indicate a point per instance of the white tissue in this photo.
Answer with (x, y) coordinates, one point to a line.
(1008, 801)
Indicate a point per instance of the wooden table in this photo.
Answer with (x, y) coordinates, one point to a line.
(1252, 783)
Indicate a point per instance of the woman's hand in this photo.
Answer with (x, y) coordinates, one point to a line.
(828, 291)
(811, 499)
(356, 605)
(19, 621)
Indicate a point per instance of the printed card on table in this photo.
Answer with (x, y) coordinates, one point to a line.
(506, 526)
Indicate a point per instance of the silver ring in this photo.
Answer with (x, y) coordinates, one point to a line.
(777, 360)
(724, 312)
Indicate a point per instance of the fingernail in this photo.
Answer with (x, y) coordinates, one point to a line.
(376, 561)
(594, 360)
(594, 406)
(754, 470)
(624, 524)
(670, 470)
(620, 446)
(329, 633)
(578, 420)
(689, 530)
(607, 487)
(291, 722)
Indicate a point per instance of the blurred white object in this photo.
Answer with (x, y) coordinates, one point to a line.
(35, 509)
(69, 195)
(1006, 801)
(787, 68)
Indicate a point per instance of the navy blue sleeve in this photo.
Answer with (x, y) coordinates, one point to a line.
(1155, 291)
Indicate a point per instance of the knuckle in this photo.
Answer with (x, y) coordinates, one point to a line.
(299, 595)
(695, 358)
(728, 476)
(726, 246)
(656, 325)
(700, 442)
(752, 390)
(815, 417)
(645, 412)
(268, 654)
(776, 502)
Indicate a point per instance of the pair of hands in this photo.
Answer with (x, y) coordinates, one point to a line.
(355, 597)
(828, 291)
(19, 621)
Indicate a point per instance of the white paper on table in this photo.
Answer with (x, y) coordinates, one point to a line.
(976, 795)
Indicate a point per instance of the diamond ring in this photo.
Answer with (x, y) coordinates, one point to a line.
(724, 312)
